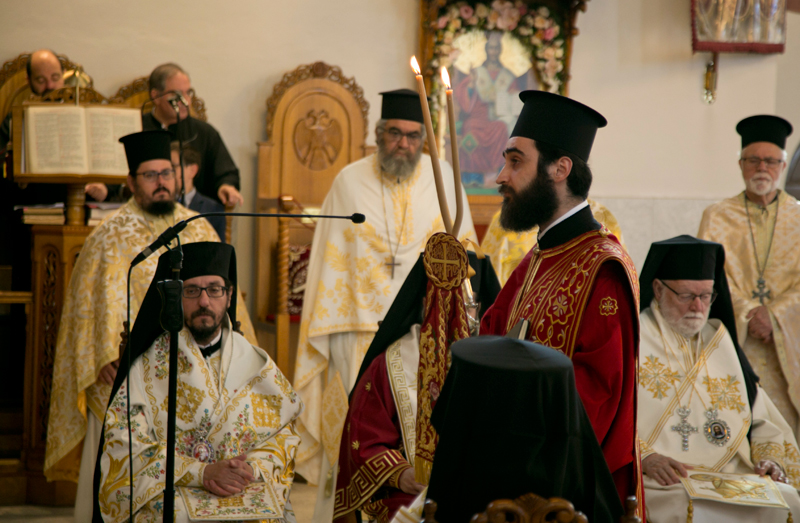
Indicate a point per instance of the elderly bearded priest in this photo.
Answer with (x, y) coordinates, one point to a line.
(577, 288)
(355, 272)
(235, 411)
(701, 410)
(758, 228)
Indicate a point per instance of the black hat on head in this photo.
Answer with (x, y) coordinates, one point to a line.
(401, 104)
(558, 121)
(764, 128)
(145, 146)
(688, 258)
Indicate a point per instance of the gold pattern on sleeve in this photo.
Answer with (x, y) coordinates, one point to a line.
(657, 378)
(767, 450)
(356, 444)
(608, 306)
(368, 386)
(185, 480)
(791, 464)
(724, 392)
(266, 409)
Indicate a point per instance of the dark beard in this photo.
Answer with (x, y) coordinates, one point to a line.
(394, 166)
(203, 335)
(160, 208)
(534, 205)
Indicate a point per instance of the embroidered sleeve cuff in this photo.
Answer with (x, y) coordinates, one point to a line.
(394, 479)
(193, 476)
(767, 450)
(645, 449)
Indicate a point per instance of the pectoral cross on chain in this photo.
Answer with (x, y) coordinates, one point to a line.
(683, 428)
(762, 291)
(392, 264)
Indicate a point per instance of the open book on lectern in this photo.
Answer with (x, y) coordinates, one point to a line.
(71, 139)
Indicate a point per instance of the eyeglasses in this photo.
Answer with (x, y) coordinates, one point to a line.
(215, 291)
(686, 297)
(395, 135)
(755, 161)
(151, 176)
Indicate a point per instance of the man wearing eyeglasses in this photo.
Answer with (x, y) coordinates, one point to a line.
(701, 410)
(355, 272)
(236, 411)
(87, 355)
(759, 229)
(218, 176)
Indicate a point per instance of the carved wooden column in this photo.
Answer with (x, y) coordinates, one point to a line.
(55, 250)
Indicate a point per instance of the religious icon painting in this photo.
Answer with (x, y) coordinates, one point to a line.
(489, 70)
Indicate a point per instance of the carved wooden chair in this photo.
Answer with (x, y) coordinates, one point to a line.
(316, 125)
(531, 508)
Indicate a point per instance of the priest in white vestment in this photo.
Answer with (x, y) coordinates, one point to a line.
(355, 272)
(87, 347)
(758, 228)
(235, 439)
(701, 412)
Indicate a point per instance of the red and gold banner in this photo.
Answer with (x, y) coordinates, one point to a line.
(444, 323)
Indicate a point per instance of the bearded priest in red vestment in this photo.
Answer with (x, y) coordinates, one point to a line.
(577, 288)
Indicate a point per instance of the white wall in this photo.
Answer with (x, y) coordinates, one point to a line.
(632, 61)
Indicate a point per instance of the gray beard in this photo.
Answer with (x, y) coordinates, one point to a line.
(394, 166)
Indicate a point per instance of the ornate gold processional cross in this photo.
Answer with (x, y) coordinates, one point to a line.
(762, 291)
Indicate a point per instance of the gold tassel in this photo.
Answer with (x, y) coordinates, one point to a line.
(422, 471)
(690, 513)
(789, 519)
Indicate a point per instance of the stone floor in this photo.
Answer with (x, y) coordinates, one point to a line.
(303, 498)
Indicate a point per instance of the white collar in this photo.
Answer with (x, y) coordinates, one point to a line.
(212, 342)
(189, 196)
(566, 215)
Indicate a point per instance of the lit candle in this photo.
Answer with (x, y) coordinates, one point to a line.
(451, 119)
(437, 171)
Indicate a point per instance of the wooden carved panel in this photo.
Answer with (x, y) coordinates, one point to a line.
(50, 318)
(317, 140)
(319, 70)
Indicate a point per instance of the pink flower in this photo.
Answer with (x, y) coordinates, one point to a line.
(466, 11)
(442, 22)
(523, 9)
(551, 32)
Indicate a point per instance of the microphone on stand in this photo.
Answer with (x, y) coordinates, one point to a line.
(172, 232)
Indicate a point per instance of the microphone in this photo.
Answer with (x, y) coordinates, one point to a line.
(172, 232)
(181, 98)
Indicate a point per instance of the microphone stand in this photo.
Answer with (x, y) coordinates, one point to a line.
(172, 320)
(175, 103)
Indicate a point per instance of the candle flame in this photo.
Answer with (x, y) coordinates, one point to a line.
(445, 77)
(415, 65)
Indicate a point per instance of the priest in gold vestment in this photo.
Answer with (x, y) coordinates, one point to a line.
(87, 348)
(235, 437)
(508, 248)
(355, 272)
(759, 228)
(701, 412)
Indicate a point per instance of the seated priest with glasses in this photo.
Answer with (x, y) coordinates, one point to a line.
(95, 307)
(235, 410)
(713, 443)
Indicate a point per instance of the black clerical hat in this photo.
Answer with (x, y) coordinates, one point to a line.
(764, 128)
(558, 121)
(144, 146)
(688, 258)
(541, 437)
(401, 104)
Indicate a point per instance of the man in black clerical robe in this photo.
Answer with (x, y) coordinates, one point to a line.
(218, 177)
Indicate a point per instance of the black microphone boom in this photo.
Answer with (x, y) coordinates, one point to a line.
(172, 232)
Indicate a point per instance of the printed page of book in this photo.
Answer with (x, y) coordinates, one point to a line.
(56, 139)
(105, 126)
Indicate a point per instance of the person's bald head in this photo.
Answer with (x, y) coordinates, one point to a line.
(45, 72)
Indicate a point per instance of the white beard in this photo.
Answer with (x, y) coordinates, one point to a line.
(761, 184)
(687, 325)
